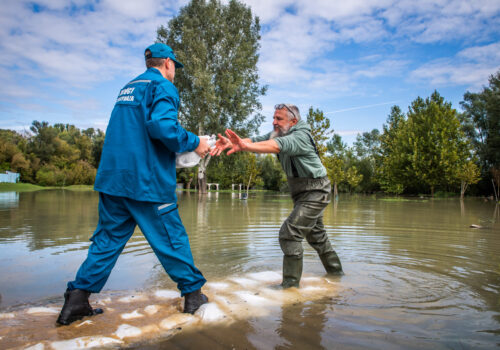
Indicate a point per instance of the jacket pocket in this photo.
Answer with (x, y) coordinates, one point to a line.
(169, 216)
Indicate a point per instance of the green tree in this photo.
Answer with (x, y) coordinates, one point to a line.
(393, 161)
(481, 121)
(335, 170)
(468, 174)
(43, 143)
(367, 150)
(250, 169)
(425, 150)
(320, 132)
(186, 176)
(336, 146)
(219, 84)
(353, 178)
(273, 177)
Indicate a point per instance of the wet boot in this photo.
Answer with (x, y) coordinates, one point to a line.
(76, 306)
(292, 271)
(193, 301)
(331, 262)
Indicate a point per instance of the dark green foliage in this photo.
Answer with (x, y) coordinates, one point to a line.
(57, 155)
(425, 150)
(481, 123)
(272, 175)
(320, 126)
(219, 84)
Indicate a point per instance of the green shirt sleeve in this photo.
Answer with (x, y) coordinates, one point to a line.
(295, 144)
(261, 137)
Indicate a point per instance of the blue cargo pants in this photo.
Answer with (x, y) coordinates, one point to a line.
(161, 225)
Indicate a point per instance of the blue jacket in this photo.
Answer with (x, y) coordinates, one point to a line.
(143, 134)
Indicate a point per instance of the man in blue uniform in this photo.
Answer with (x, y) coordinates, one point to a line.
(136, 181)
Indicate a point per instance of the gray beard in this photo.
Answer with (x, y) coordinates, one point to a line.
(279, 133)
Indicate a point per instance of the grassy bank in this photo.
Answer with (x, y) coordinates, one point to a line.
(23, 187)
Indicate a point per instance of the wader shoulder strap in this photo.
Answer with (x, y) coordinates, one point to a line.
(313, 143)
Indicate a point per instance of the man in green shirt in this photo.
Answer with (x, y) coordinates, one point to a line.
(310, 188)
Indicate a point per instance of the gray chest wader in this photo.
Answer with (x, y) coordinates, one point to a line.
(310, 198)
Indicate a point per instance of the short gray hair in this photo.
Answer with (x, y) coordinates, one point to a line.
(292, 111)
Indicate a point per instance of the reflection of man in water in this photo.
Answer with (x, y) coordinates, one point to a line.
(310, 188)
(136, 181)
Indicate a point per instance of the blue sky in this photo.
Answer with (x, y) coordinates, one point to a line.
(65, 61)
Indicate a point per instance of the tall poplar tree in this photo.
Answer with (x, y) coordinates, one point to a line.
(219, 84)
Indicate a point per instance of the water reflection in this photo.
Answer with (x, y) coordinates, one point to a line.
(301, 326)
(414, 268)
(9, 200)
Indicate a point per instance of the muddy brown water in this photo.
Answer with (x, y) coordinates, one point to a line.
(417, 276)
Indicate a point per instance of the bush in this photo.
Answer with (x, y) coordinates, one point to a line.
(81, 173)
(50, 175)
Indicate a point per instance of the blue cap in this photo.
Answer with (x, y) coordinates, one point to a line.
(160, 50)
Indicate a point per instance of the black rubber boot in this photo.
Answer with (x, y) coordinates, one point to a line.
(332, 264)
(76, 306)
(193, 301)
(292, 271)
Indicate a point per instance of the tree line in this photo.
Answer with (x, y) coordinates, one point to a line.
(432, 147)
(429, 148)
(52, 155)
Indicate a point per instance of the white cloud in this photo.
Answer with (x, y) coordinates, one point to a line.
(73, 47)
(470, 67)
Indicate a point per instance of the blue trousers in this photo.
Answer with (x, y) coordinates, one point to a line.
(161, 225)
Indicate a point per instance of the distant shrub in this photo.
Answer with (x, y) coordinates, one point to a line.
(50, 175)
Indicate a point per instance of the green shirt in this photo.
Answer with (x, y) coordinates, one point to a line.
(297, 144)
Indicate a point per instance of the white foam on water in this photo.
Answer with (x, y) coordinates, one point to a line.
(127, 331)
(42, 311)
(151, 309)
(176, 320)
(236, 297)
(133, 298)
(253, 299)
(313, 279)
(133, 314)
(85, 343)
(245, 282)
(167, 294)
(217, 285)
(222, 300)
(265, 276)
(104, 301)
(210, 312)
(312, 289)
(38, 346)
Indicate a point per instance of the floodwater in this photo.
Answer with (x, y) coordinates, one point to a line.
(417, 276)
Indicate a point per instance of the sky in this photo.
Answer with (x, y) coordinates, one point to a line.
(64, 61)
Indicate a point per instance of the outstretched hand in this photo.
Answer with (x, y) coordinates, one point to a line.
(238, 144)
(221, 145)
(232, 142)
